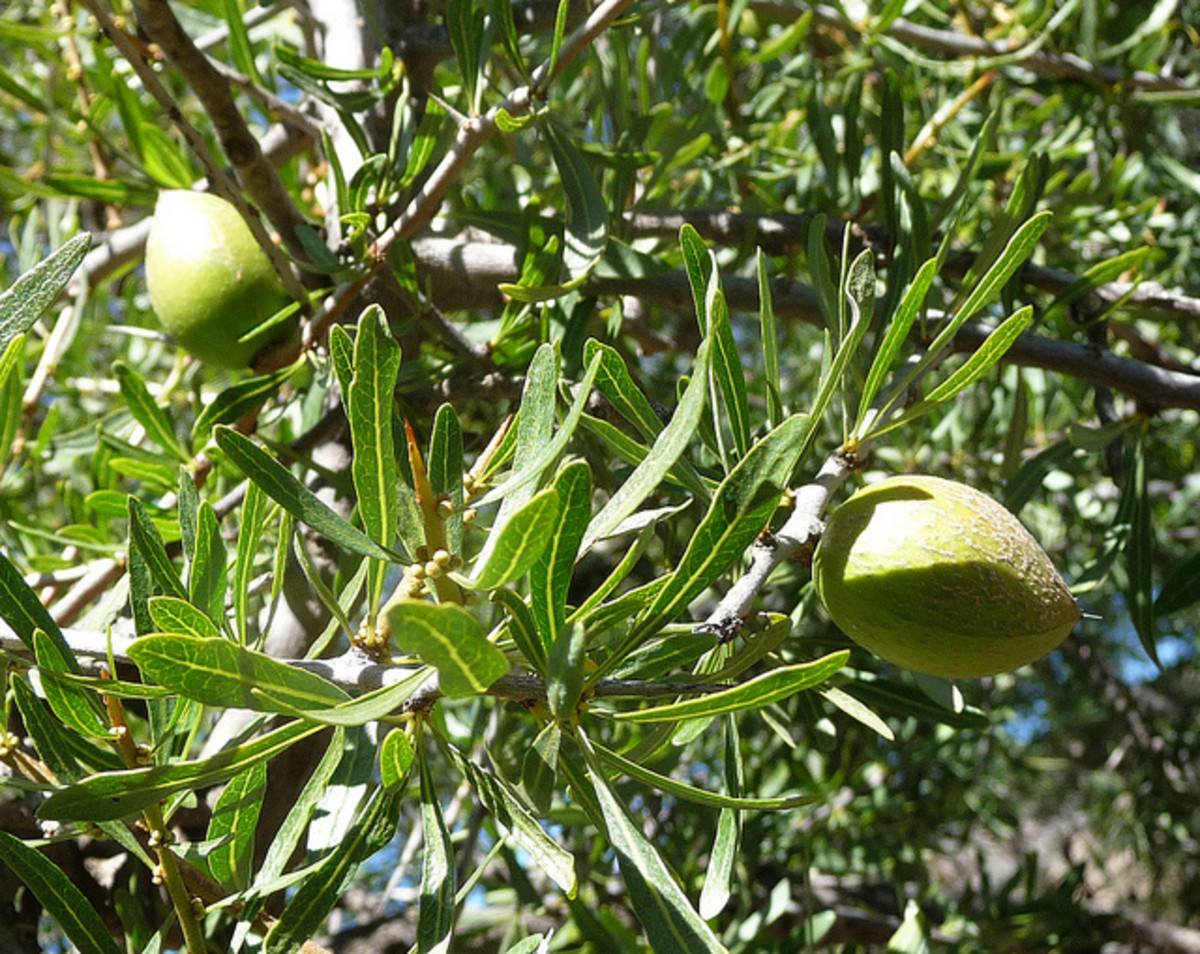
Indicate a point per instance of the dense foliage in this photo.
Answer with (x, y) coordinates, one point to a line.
(453, 621)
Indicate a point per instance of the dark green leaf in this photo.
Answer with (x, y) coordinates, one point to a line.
(435, 912)
(279, 484)
(58, 894)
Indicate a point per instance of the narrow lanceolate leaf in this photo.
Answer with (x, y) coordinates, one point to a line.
(504, 805)
(727, 368)
(587, 212)
(1139, 548)
(617, 385)
(564, 685)
(369, 404)
(11, 410)
(369, 707)
(671, 923)
(23, 302)
(78, 708)
(218, 672)
(145, 538)
(24, 612)
(146, 412)
(858, 710)
(1181, 587)
(550, 576)
(238, 400)
(207, 576)
(718, 879)
(318, 893)
(446, 469)
(279, 484)
(447, 637)
(770, 344)
(754, 694)
(669, 444)
(235, 816)
(700, 796)
(897, 334)
(435, 911)
(521, 541)
(112, 795)
(530, 437)
(529, 468)
(540, 767)
(57, 893)
(522, 628)
(255, 508)
(980, 362)
(1019, 248)
(740, 509)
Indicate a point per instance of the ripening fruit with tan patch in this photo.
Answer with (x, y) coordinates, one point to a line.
(210, 283)
(938, 577)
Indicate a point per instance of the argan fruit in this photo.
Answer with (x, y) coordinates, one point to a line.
(937, 577)
(209, 281)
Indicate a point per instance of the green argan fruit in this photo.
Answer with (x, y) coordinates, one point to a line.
(209, 281)
(937, 577)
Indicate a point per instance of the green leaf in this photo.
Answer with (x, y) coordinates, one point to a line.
(113, 795)
(505, 806)
(218, 672)
(727, 369)
(897, 334)
(981, 361)
(319, 892)
(1139, 548)
(234, 817)
(859, 711)
(435, 911)
(24, 301)
(146, 412)
(564, 686)
(445, 467)
(520, 542)
(240, 47)
(58, 894)
(144, 537)
(369, 707)
(718, 878)
(669, 444)
(448, 637)
(769, 334)
(1181, 587)
(164, 159)
(395, 759)
(587, 212)
(172, 615)
(78, 708)
(369, 403)
(539, 768)
(671, 924)
(740, 509)
(24, 612)
(753, 694)
(279, 484)
(550, 576)
(11, 397)
(528, 466)
(207, 574)
(256, 509)
(470, 37)
(240, 399)
(670, 786)
(522, 628)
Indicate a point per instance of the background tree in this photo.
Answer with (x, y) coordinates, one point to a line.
(303, 651)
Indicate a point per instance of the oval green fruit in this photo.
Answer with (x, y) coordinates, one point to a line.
(209, 281)
(937, 577)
